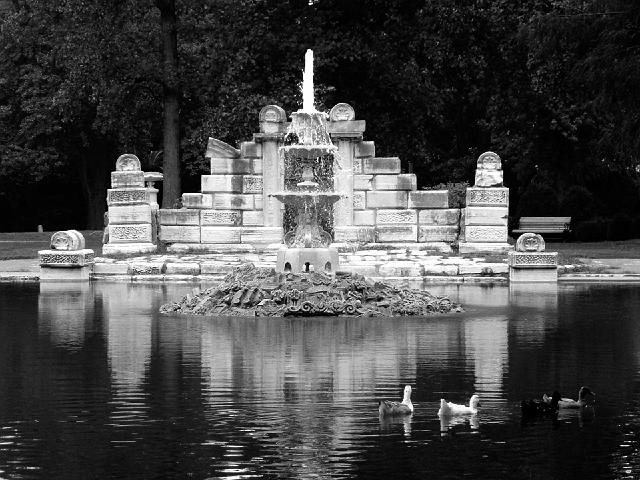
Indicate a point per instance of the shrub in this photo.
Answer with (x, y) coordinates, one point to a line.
(457, 192)
(538, 200)
(591, 231)
(620, 227)
(635, 226)
(578, 203)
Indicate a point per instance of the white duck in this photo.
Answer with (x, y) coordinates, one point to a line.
(448, 408)
(585, 395)
(385, 407)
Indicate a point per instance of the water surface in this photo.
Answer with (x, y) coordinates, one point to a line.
(95, 384)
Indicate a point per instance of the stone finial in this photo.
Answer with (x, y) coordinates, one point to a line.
(489, 161)
(128, 163)
(530, 242)
(273, 114)
(67, 240)
(342, 112)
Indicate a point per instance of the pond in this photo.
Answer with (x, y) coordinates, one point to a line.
(95, 384)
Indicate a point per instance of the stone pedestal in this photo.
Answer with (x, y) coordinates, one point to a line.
(133, 209)
(67, 259)
(487, 211)
(298, 260)
(530, 263)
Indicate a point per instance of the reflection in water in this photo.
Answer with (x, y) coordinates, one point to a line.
(95, 384)
(448, 422)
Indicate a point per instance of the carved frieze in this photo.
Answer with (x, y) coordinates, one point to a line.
(67, 240)
(386, 217)
(530, 242)
(489, 161)
(342, 112)
(479, 233)
(533, 260)
(252, 183)
(498, 197)
(130, 233)
(220, 217)
(272, 114)
(77, 258)
(127, 196)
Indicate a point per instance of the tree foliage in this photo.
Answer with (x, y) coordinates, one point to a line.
(551, 85)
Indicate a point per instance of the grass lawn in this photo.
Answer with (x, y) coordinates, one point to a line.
(16, 245)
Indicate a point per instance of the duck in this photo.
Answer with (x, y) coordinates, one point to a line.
(448, 408)
(585, 396)
(541, 407)
(388, 408)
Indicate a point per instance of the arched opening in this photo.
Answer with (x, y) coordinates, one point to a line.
(307, 267)
(287, 267)
(327, 267)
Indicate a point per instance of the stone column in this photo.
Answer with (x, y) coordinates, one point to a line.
(345, 133)
(67, 258)
(487, 211)
(531, 263)
(273, 125)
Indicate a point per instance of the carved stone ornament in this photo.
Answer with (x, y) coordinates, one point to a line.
(489, 161)
(530, 242)
(67, 240)
(273, 114)
(342, 112)
(127, 163)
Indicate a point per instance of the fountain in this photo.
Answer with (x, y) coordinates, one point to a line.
(306, 280)
(308, 148)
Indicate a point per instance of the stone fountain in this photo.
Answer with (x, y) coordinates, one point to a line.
(308, 148)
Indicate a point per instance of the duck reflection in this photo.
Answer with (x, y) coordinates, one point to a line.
(390, 424)
(448, 422)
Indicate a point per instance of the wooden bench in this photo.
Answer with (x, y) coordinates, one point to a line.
(545, 226)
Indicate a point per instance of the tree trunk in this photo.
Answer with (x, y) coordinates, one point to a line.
(171, 98)
(93, 172)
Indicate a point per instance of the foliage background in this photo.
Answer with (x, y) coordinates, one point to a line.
(553, 86)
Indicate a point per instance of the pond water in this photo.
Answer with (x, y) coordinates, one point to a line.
(95, 384)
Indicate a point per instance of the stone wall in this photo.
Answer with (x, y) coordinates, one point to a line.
(379, 204)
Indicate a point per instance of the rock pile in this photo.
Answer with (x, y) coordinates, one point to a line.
(261, 292)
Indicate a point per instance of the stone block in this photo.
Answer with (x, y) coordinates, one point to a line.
(80, 274)
(214, 268)
(251, 149)
(127, 179)
(488, 178)
(139, 248)
(359, 200)
(437, 233)
(187, 216)
(487, 197)
(146, 268)
(252, 184)
(403, 181)
(347, 128)
(482, 268)
(366, 270)
(401, 269)
(365, 149)
(396, 233)
(429, 199)
(220, 234)
(357, 166)
(180, 234)
(439, 269)
(110, 269)
(386, 217)
(258, 201)
(167, 216)
(261, 235)
(439, 216)
(498, 216)
(230, 218)
(485, 234)
(533, 259)
(257, 166)
(66, 258)
(133, 233)
(364, 217)
(363, 182)
(381, 165)
(483, 247)
(67, 240)
(252, 218)
(231, 165)
(182, 268)
(221, 183)
(197, 200)
(533, 275)
(127, 196)
(119, 214)
(233, 201)
(386, 199)
(360, 234)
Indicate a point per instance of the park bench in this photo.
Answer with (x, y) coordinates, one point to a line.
(545, 226)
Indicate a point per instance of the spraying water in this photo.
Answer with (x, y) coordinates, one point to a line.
(307, 83)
